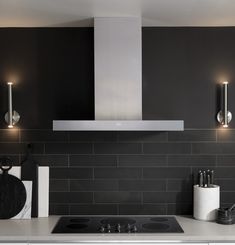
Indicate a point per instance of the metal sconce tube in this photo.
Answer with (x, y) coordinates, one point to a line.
(11, 117)
(225, 84)
(224, 116)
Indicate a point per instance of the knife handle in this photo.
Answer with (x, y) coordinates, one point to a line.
(212, 177)
(204, 179)
(200, 179)
(208, 180)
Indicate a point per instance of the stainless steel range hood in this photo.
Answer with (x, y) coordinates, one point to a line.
(118, 81)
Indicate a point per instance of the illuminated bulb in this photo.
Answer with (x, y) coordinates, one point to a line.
(10, 126)
(10, 83)
(225, 126)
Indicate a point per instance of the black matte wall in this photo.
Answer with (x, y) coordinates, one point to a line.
(54, 73)
(121, 172)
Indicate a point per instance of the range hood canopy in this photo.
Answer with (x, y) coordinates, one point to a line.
(118, 81)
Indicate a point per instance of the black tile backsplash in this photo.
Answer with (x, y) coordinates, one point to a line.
(142, 209)
(142, 160)
(166, 148)
(126, 172)
(71, 173)
(118, 173)
(117, 148)
(117, 197)
(68, 148)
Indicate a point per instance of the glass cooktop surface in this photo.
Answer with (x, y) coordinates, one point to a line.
(117, 224)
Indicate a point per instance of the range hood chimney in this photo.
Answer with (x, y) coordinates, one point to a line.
(118, 81)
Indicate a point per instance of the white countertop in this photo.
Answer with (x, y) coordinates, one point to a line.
(39, 230)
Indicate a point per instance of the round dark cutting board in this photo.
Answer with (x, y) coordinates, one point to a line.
(12, 192)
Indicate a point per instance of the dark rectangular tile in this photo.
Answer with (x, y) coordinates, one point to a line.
(225, 172)
(20, 148)
(184, 185)
(58, 209)
(42, 136)
(167, 148)
(94, 185)
(192, 160)
(147, 136)
(226, 135)
(50, 160)
(93, 160)
(227, 197)
(14, 158)
(117, 148)
(92, 136)
(226, 160)
(142, 185)
(142, 160)
(68, 148)
(117, 197)
(59, 185)
(168, 172)
(226, 184)
(118, 173)
(146, 209)
(180, 209)
(71, 173)
(9, 135)
(213, 148)
(167, 197)
(226, 205)
(94, 209)
(71, 197)
(192, 135)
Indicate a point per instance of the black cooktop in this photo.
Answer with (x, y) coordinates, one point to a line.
(117, 224)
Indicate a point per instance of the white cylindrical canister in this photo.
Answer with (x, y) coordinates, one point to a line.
(206, 201)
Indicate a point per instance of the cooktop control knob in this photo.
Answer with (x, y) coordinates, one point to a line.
(128, 228)
(135, 229)
(118, 229)
(102, 229)
(108, 228)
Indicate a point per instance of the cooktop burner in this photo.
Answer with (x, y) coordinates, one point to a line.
(117, 224)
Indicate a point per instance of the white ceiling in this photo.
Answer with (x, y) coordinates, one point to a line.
(49, 13)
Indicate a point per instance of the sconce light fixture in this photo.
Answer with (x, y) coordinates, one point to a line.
(11, 117)
(224, 116)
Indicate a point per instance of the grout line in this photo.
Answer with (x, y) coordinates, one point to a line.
(93, 173)
(68, 164)
(19, 136)
(93, 198)
(69, 185)
(68, 137)
(118, 161)
(167, 185)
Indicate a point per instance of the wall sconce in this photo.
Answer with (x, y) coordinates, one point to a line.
(224, 116)
(11, 117)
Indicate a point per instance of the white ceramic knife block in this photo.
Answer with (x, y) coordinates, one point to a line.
(206, 201)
